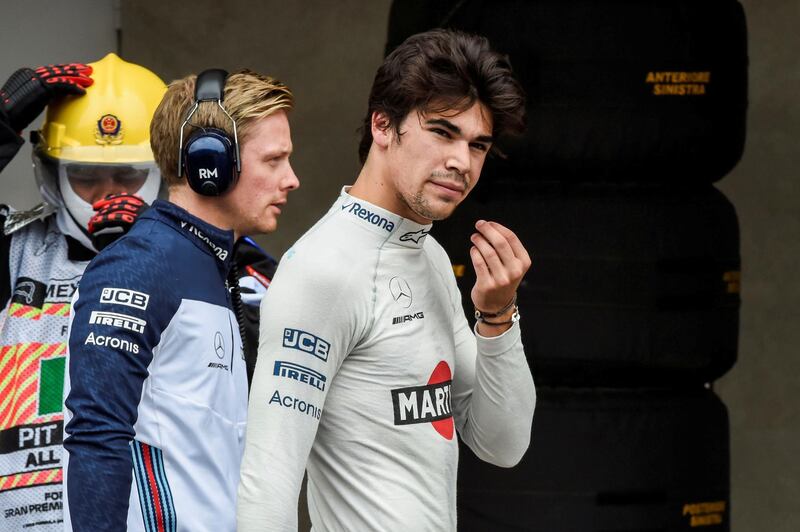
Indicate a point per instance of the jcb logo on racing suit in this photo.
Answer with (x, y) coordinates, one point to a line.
(306, 342)
(129, 298)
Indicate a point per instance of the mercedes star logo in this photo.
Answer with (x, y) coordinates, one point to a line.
(401, 291)
(219, 345)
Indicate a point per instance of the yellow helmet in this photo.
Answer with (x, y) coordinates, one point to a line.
(111, 123)
(102, 135)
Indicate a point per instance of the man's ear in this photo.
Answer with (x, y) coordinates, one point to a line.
(381, 129)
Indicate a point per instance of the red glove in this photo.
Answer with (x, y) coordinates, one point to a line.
(27, 92)
(115, 216)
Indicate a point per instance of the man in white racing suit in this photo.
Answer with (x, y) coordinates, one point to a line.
(367, 365)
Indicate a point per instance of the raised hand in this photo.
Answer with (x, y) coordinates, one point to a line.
(500, 261)
(26, 93)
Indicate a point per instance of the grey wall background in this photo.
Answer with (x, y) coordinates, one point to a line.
(762, 391)
(327, 52)
(39, 32)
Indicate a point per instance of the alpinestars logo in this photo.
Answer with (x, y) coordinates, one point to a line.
(427, 404)
(414, 236)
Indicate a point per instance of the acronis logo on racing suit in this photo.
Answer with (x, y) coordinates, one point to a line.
(306, 342)
(293, 403)
(356, 209)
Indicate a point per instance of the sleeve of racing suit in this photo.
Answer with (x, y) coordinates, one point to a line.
(121, 308)
(493, 392)
(308, 325)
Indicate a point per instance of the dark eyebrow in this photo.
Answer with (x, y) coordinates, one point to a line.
(455, 129)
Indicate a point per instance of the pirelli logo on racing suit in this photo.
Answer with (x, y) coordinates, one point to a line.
(430, 403)
(113, 319)
(290, 370)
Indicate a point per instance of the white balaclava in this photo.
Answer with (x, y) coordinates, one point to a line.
(73, 218)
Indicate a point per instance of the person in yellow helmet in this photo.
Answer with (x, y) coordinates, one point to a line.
(94, 142)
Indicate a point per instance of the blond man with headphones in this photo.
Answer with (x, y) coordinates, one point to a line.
(156, 392)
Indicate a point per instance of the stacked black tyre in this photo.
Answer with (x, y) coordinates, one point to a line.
(631, 308)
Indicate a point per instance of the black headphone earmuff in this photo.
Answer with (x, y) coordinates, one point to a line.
(210, 158)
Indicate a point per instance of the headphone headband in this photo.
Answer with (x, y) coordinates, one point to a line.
(210, 85)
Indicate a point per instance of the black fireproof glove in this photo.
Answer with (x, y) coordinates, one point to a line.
(115, 216)
(27, 92)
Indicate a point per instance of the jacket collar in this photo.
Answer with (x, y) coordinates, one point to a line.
(210, 239)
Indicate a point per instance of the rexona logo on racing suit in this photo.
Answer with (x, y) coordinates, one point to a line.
(377, 220)
(117, 320)
(290, 370)
(427, 404)
(123, 296)
(306, 342)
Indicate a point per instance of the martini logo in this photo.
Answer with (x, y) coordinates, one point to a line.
(427, 404)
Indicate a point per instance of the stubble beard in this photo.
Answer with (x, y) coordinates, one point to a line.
(419, 205)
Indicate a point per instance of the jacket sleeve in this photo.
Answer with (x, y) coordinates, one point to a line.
(307, 330)
(119, 312)
(493, 391)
